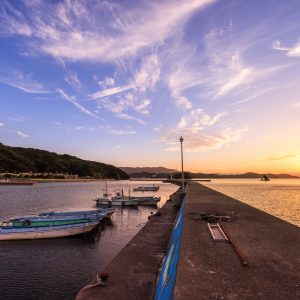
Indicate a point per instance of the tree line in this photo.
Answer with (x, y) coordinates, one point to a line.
(29, 160)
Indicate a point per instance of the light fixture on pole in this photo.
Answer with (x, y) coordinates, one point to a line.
(182, 175)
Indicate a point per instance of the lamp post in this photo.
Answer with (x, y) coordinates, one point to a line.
(182, 175)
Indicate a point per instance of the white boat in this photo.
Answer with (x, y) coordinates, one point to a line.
(118, 201)
(146, 188)
(8, 232)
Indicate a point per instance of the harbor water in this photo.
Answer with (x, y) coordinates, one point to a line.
(278, 197)
(58, 268)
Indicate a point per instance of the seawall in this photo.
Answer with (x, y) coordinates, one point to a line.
(133, 272)
(261, 262)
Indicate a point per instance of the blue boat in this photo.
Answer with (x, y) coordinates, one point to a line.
(103, 212)
(42, 221)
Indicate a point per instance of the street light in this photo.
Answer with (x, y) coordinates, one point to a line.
(182, 175)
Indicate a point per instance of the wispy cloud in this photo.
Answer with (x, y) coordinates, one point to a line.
(22, 134)
(239, 79)
(23, 82)
(129, 117)
(293, 51)
(72, 79)
(201, 142)
(121, 132)
(1, 124)
(199, 132)
(278, 157)
(255, 95)
(74, 31)
(158, 128)
(111, 91)
(197, 119)
(72, 99)
(143, 79)
(106, 129)
(106, 82)
(18, 119)
(180, 80)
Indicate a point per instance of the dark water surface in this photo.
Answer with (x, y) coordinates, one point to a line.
(59, 268)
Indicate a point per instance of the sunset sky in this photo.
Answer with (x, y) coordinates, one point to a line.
(120, 81)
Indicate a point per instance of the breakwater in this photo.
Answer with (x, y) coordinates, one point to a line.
(261, 261)
(133, 273)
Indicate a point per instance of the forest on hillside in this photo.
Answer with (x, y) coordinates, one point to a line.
(29, 160)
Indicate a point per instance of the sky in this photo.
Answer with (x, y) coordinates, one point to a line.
(120, 81)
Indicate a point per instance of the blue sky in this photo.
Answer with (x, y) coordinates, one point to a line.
(121, 81)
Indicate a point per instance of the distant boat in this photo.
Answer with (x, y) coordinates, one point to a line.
(145, 188)
(264, 177)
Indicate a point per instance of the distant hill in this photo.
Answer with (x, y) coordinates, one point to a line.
(149, 170)
(18, 160)
(244, 175)
(203, 175)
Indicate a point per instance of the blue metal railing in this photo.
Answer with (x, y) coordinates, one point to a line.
(166, 283)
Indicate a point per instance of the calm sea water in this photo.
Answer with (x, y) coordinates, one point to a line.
(57, 269)
(279, 197)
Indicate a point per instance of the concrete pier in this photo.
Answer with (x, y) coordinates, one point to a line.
(134, 271)
(208, 270)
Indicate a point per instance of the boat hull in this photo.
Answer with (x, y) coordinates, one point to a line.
(101, 213)
(119, 202)
(149, 201)
(146, 189)
(46, 233)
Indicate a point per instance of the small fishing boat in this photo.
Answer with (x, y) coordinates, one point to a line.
(52, 220)
(118, 200)
(10, 232)
(145, 188)
(149, 201)
(103, 212)
(264, 177)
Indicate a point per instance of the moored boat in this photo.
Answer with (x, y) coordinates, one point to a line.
(8, 232)
(149, 201)
(48, 220)
(104, 212)
(118, 201)
(151, 188)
